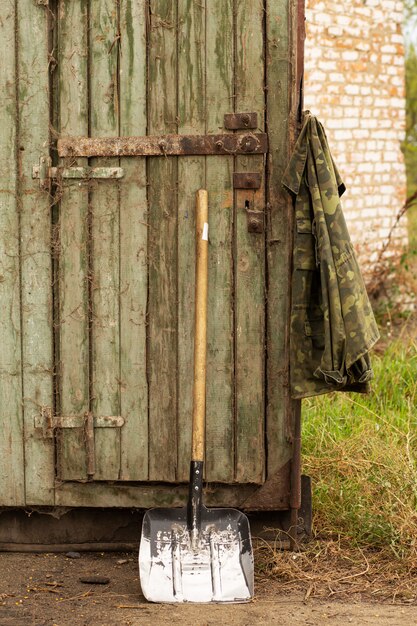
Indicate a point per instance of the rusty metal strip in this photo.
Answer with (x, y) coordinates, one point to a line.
(247, 180)
(164, 145)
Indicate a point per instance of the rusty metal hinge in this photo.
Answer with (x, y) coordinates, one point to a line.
(46, 173)
(164, 145)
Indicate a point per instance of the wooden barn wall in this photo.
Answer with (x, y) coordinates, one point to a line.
(96, 279)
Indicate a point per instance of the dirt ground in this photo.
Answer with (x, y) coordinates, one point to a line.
(45, 590)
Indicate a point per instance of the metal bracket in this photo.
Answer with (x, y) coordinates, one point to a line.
(247, 180)
(41, 171)
(46, 173)
(255, 219)
(238, 121)
(48, 422)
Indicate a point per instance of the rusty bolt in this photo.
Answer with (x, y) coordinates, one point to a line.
(249, 143)
(245, 119)
(219, 144)
(162, 144)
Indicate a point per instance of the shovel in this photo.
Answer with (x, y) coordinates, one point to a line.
(196, 554)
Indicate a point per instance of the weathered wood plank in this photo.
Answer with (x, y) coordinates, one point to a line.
(133, 246)
(162, 256)
(104, 112)
(146, 496)
(191, 176)
(281, 111)
(12, 481)
(220, 362)
(73, 239)
(36, 297)
(250, 256)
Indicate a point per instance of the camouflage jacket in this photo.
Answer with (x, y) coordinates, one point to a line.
(332, 324)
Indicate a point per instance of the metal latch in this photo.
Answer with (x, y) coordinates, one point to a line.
(46, 173)
(255, 219)
(41, 171)
(48, 422)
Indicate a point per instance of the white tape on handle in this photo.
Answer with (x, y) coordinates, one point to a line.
(205, 232)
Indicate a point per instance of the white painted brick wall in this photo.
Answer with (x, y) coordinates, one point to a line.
(354, 83)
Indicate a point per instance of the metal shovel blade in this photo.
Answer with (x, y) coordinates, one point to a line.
(219, 568)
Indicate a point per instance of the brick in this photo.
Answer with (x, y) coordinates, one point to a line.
(355, 82)
(349, 122)
(350, 55)
(351, 89)
(327, 66)
(389, 49)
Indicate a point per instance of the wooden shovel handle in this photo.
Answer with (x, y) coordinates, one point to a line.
(200, 340)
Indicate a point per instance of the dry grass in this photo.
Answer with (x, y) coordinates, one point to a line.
(334, 568)
(361, 452)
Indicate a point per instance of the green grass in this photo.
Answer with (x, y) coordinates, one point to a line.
(361, 452)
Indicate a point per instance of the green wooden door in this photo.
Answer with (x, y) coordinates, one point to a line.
(97, 251)
(124, 288)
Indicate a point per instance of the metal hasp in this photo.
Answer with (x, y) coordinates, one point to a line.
(164, 145)
(48, 422)
(45, 172)
(255, 219)
(239, 121)
(42, 172)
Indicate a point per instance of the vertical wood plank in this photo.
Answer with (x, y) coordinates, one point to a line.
(162, 199)
(191, 176)
(12, 486)
(36, 275)
(104, 122)
(73, 258)
(220, 361)
(281, 112)
(250, 256)
(133, 246)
